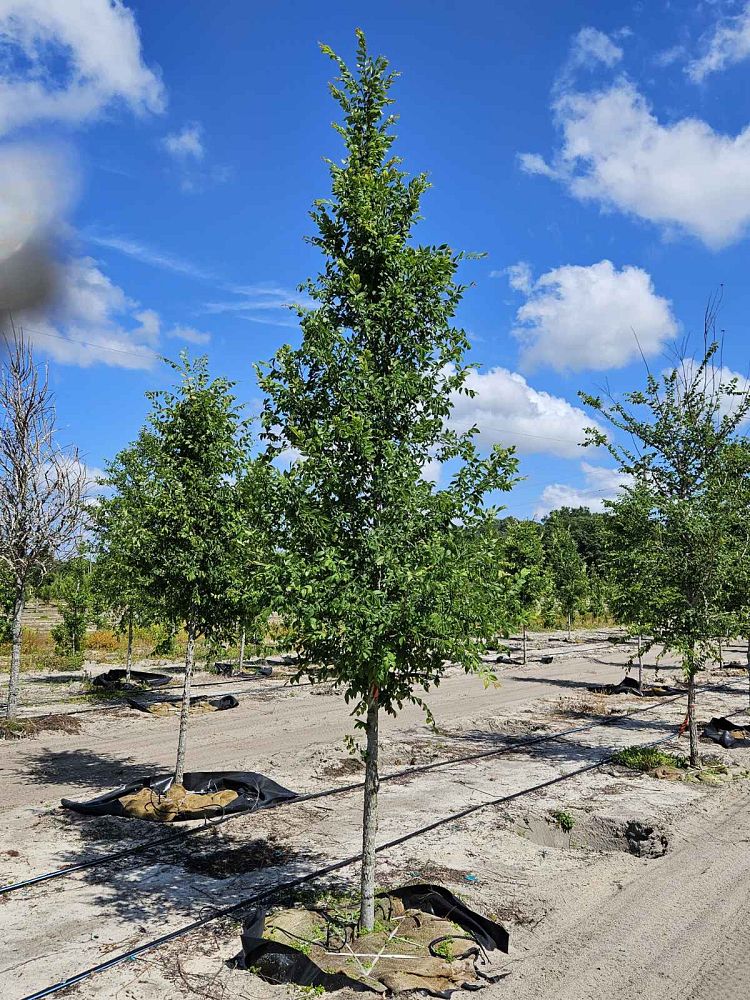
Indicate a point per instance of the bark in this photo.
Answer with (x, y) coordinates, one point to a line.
(14, 684)
(370, 820)
(721, 654)
(242, 649)
(640, 664)
(179, 772)
(692, 724)
(129, 660)
(747, 655)
(570, 626)
(524, 645)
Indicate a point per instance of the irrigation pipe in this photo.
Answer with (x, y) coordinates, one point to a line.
(325, 793)
(269, 894)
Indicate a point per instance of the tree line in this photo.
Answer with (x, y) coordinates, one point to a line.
(320, 511)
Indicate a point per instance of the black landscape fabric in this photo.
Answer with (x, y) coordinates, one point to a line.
(629, 685)
(726, 733)
(221, 702)
(115, 678)
(254, 791)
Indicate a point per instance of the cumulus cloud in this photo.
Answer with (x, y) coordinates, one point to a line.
(595, 317)
(599, 484)
(508, 411)
(187, 144)
(62, 63)
(93, 321)
(97, 43)
(727, 44)
(682, 176)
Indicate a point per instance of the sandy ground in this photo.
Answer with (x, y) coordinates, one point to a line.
(588, 919)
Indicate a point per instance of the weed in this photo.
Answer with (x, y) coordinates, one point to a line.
(19, 729)
(647, 758)
(564, 820)
(445, 950)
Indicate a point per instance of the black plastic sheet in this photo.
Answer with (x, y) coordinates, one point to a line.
(254, 791)
(726, 733)
(115, 678)
(629, 685)
(221, 702)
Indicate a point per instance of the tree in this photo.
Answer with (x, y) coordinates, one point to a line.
(42, 488)
(684, 520)
(123, 582)
(74, 594)
(382, 577)
(568, 571)
(179, 487)
(523, 549)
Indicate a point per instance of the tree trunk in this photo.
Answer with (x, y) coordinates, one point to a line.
(524, 645)
(370, 820)
(129, 660)
(14, 684)
(640, 665)
(747, 655)
(570, 626)
(242, 649)
(692, 724)
(179, 772)
(721, 654)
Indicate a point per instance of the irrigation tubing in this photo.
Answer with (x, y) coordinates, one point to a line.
(266, 895)
(326, 793)
(555, 651)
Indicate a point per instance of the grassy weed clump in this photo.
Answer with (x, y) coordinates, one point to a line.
(647, 759)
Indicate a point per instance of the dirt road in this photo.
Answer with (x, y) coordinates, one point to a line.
(678, 930)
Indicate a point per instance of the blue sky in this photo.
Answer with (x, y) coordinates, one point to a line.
(169, 153)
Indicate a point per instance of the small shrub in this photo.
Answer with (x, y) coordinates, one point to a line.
(564, 820)
(104, 640)
(647, 758)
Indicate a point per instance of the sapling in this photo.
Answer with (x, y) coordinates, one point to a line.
(383, 578)
(681, 523)
(183, 488)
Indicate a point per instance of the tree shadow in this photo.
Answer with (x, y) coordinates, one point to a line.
(85, 769)
(211, 867)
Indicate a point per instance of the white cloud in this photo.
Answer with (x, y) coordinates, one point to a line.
(593, 317)
(261, 303)
(681, 176)
(600, 484)
(187, 144)
(189, 334)
(148, 255)
(94, 322)
(591, 47)
(520, 276)
(66, 62)
(715, 378)
(727, 44)
(508, 411)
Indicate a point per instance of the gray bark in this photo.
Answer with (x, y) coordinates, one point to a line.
(14, 685)
(524, 645)
(640, 664)
(129, 659)
(179, 772)
(370, 820)
(242, 649)
(692, 723)
(570, 627)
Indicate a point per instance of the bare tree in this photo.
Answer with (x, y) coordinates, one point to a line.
(42, 486)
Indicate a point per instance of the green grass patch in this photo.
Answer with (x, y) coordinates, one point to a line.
(647, 758)
(564, 820)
